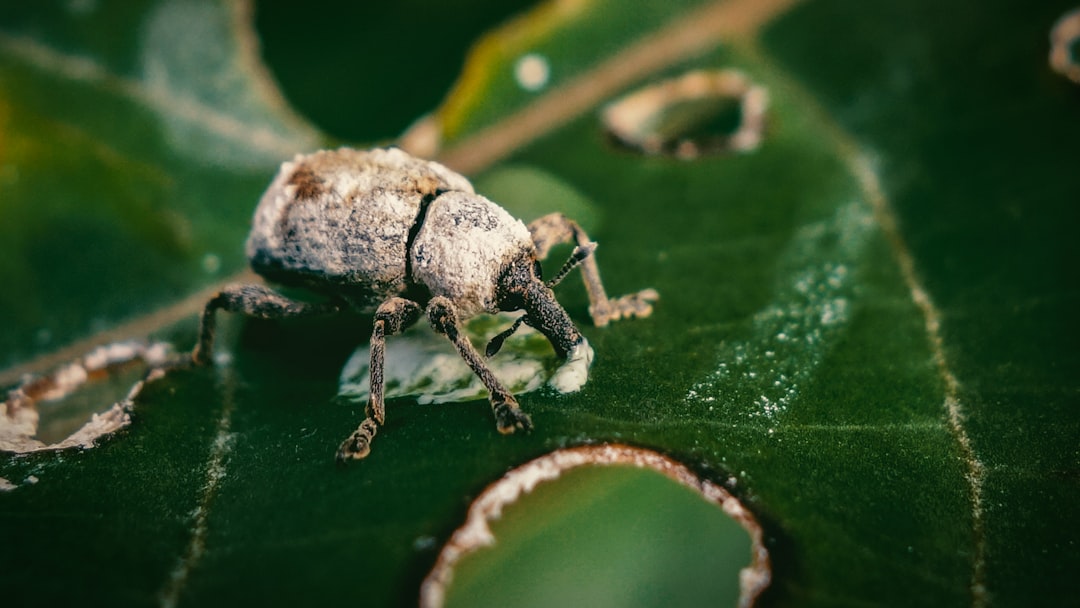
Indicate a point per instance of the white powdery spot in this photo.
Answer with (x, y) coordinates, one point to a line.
(573, 374)
(762, 375)
(424, 365)
(215, 474)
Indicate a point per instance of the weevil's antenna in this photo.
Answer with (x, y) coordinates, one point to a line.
(496, 343)
(581, 252)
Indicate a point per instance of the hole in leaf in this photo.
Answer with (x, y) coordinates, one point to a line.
(707, 121)
(1065, 45)
(60, 418)
(646, 532)
(701, 112)
(79, 402)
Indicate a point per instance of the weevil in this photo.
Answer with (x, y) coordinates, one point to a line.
(382, 231)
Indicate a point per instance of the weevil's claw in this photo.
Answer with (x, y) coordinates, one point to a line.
(358, 445)
(354, 448)
(509, 417)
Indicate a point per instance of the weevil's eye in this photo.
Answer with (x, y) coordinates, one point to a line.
(538, 270)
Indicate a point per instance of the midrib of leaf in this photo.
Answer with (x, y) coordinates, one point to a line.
(215, 473)
(861, 166)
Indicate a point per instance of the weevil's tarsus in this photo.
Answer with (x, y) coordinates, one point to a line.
(632, 305)
(256, 301)
(358, 445)
(509, 417)
(556, 228)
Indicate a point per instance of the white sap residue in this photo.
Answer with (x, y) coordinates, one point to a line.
(762, 373)
(424, 365)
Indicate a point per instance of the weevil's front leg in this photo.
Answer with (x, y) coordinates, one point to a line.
(254, 301)
(392, 317)
(508, 415)
(556, 228)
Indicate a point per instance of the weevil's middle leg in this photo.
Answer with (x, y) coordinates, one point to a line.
(556, 228)
(256, 301)
(392, 317)
(508, 415)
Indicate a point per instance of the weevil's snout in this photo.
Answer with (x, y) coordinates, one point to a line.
(522, 287)
(545, 313)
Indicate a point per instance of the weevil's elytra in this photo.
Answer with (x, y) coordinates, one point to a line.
(339, 221)
(384, 232)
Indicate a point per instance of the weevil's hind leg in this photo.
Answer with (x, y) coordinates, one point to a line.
(254, 301)
(556, 228)
(508, 415)
(392, 317)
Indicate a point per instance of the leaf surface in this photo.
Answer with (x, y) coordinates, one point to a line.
(865, 329)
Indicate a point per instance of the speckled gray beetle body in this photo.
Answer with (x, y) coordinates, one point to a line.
(382, 231)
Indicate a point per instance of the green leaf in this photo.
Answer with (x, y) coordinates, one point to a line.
(383, 66)
(864, 330)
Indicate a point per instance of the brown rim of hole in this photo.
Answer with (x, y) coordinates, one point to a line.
(632, 119)
(1063, 36)
(475, 533)
(19, 412)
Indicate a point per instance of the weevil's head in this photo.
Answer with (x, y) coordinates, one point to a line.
(520, 287)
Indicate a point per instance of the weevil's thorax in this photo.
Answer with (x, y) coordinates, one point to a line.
(464, 246)
(515, 282)
(340, 220)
